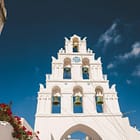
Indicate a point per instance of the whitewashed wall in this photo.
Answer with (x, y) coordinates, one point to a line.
(6, 130)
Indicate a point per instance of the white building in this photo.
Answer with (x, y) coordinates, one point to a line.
(2, 15)
(6, 130)
(77, 97)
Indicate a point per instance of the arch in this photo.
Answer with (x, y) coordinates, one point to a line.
(85, 61)
(67, 61)
(56, 99)
(83, 128)
(67, 68)
(56, 90)
(99, 89)
(77, 89)
(99, 97)
(75, 42)
(75, 39)
(77, 99)
(85, 68)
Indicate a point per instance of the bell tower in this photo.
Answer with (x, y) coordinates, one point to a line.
(77, 97)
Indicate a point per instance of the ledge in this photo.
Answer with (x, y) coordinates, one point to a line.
(79, 115)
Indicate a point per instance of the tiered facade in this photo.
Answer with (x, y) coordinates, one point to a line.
(77, 97)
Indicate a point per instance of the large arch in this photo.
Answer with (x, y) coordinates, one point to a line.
(83, 128)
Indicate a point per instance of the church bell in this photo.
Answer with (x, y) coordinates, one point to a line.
(85, 70)
(67, 69)
(77, 100)
(55, 100)
(99, 99)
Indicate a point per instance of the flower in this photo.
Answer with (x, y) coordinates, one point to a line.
(29, 133)
(24, 128)
(20, 132)
(17, 118)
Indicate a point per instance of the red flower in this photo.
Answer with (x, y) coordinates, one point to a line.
(18, 118)
(19, 122)
(20, 132)
(9, 112)
(24, 128)
(29, 133)
(3, 105)
(18, 136)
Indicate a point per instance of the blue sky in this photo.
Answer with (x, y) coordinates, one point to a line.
(35, 31)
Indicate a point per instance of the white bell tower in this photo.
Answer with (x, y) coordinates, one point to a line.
(77, 97)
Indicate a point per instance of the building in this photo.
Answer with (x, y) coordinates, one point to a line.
(6, 130)
(2, 15)
(77, 97)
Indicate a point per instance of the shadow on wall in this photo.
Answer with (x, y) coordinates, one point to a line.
(52, 138)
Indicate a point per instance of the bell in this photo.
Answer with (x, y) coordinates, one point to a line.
(75, 48)
(99, 99)
(75, 43)
(67, 69)
(55, 100)
(77, 100)
(85, 70)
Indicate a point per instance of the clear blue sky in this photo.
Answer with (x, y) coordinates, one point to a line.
(35, 31)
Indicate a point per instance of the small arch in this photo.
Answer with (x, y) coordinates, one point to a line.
(99, 99)
(67, 68)
(56, 90)
(85, 61)
(98, 90)
(83, 128)
(77, 99)
(78, 89)
(56, 99)
(67, 61)
(75, 43)
(85, 68)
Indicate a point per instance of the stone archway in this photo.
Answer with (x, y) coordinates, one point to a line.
(83, 128)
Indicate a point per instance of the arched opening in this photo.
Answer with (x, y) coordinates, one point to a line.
(75, 43)
(56, 100)
(85, 68)
(80, 132)
(99, 99)
(67, 68)
(77, 99)
(78, 135)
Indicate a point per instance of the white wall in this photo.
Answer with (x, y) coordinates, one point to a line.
(6, 130)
